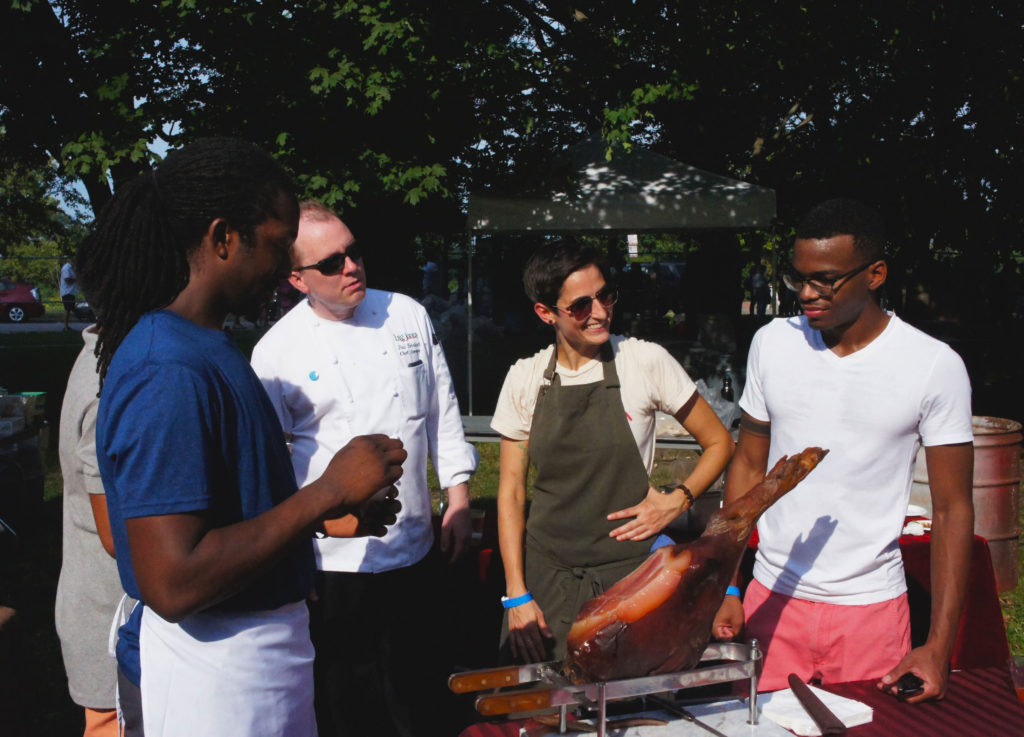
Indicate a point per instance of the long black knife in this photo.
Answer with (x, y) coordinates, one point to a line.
(827, 722)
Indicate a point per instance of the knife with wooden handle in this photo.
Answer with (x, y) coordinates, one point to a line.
(482, 680)
(827, 722)
(506, 675)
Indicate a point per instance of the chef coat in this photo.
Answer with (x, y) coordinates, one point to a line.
(380, 371)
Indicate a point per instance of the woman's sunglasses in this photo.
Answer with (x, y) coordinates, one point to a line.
(581, 308)
(335, 263)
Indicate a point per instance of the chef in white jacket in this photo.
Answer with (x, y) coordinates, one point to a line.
(345, 362)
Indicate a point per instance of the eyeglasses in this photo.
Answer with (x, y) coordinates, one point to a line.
(335, 263)
(581, 308)
(824, 287)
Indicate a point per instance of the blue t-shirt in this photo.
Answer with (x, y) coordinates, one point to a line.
(184, 426)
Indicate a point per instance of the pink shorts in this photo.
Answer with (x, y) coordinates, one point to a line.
(833, 643)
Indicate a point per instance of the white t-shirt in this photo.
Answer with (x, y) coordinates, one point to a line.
(834, 538)
(67, 272)
(381, 371)
(651, 381)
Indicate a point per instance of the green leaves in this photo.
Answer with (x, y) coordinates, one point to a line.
(114, 88)
(620, 123)
(345, 75)
(92, 154)
(384, 105)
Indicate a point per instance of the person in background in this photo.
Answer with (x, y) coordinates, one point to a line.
(210, 531)
(68, 291)
(350, 360)
(88, 590)
(760, 293)
(431, 279)
(583, 412)
(828, 598)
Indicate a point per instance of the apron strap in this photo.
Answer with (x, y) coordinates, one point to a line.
(611, 375)
(549, 372)
(121, 615)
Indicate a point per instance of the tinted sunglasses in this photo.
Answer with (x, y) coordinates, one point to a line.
(581, 308)
(335, 263)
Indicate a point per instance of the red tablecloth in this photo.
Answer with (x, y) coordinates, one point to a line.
(981, 641)
(980, 702)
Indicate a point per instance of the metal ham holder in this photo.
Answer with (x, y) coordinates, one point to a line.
(553, 689)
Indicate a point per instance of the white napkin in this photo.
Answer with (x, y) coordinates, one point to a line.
(783, 709)
(914, 528)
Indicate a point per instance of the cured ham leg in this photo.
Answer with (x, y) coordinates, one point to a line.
(658, 619)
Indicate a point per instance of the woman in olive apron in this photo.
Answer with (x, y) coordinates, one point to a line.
(591, 440)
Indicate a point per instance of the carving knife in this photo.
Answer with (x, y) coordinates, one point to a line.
(827, 722)
(674, 708)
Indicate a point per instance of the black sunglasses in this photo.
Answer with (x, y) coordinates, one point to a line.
(335, 263)
(824, 287)
(581, 308)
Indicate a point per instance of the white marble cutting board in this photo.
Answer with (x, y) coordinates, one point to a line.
(728, 717)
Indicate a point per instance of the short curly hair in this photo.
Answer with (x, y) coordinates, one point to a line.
(846, 216)
(551, 264)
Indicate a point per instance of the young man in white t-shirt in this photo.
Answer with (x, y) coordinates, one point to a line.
(828, 599)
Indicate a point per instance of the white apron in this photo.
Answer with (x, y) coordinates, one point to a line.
(122, 614)
(244, 674)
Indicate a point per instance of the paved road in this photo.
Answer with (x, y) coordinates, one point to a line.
(55, 326)
(41, 326)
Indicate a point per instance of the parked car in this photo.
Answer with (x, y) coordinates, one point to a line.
(18, 301)
(83, 311)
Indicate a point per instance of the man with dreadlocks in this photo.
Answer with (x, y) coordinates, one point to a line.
(209, 529)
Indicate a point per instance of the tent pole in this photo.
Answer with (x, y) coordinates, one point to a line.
(776, 281)
(469, 322)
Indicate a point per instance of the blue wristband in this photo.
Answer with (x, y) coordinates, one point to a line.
(732, 591)
(509, 603)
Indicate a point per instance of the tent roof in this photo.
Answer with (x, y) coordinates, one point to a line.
(635, 192)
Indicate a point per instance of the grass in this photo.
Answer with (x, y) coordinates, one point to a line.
(1013, 603)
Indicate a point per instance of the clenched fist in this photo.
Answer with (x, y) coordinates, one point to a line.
(374, 517)
(367, 465)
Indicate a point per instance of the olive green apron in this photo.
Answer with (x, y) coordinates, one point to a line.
(587, 466)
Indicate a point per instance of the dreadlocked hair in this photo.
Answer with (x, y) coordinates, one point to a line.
(136, 258)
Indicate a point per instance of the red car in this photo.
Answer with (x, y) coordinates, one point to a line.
(18, 301)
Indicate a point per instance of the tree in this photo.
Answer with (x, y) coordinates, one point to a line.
(392, 110)
(891, 108)
(69, 91)
(34, 229)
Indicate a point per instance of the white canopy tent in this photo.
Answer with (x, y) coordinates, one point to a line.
(633, 192)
